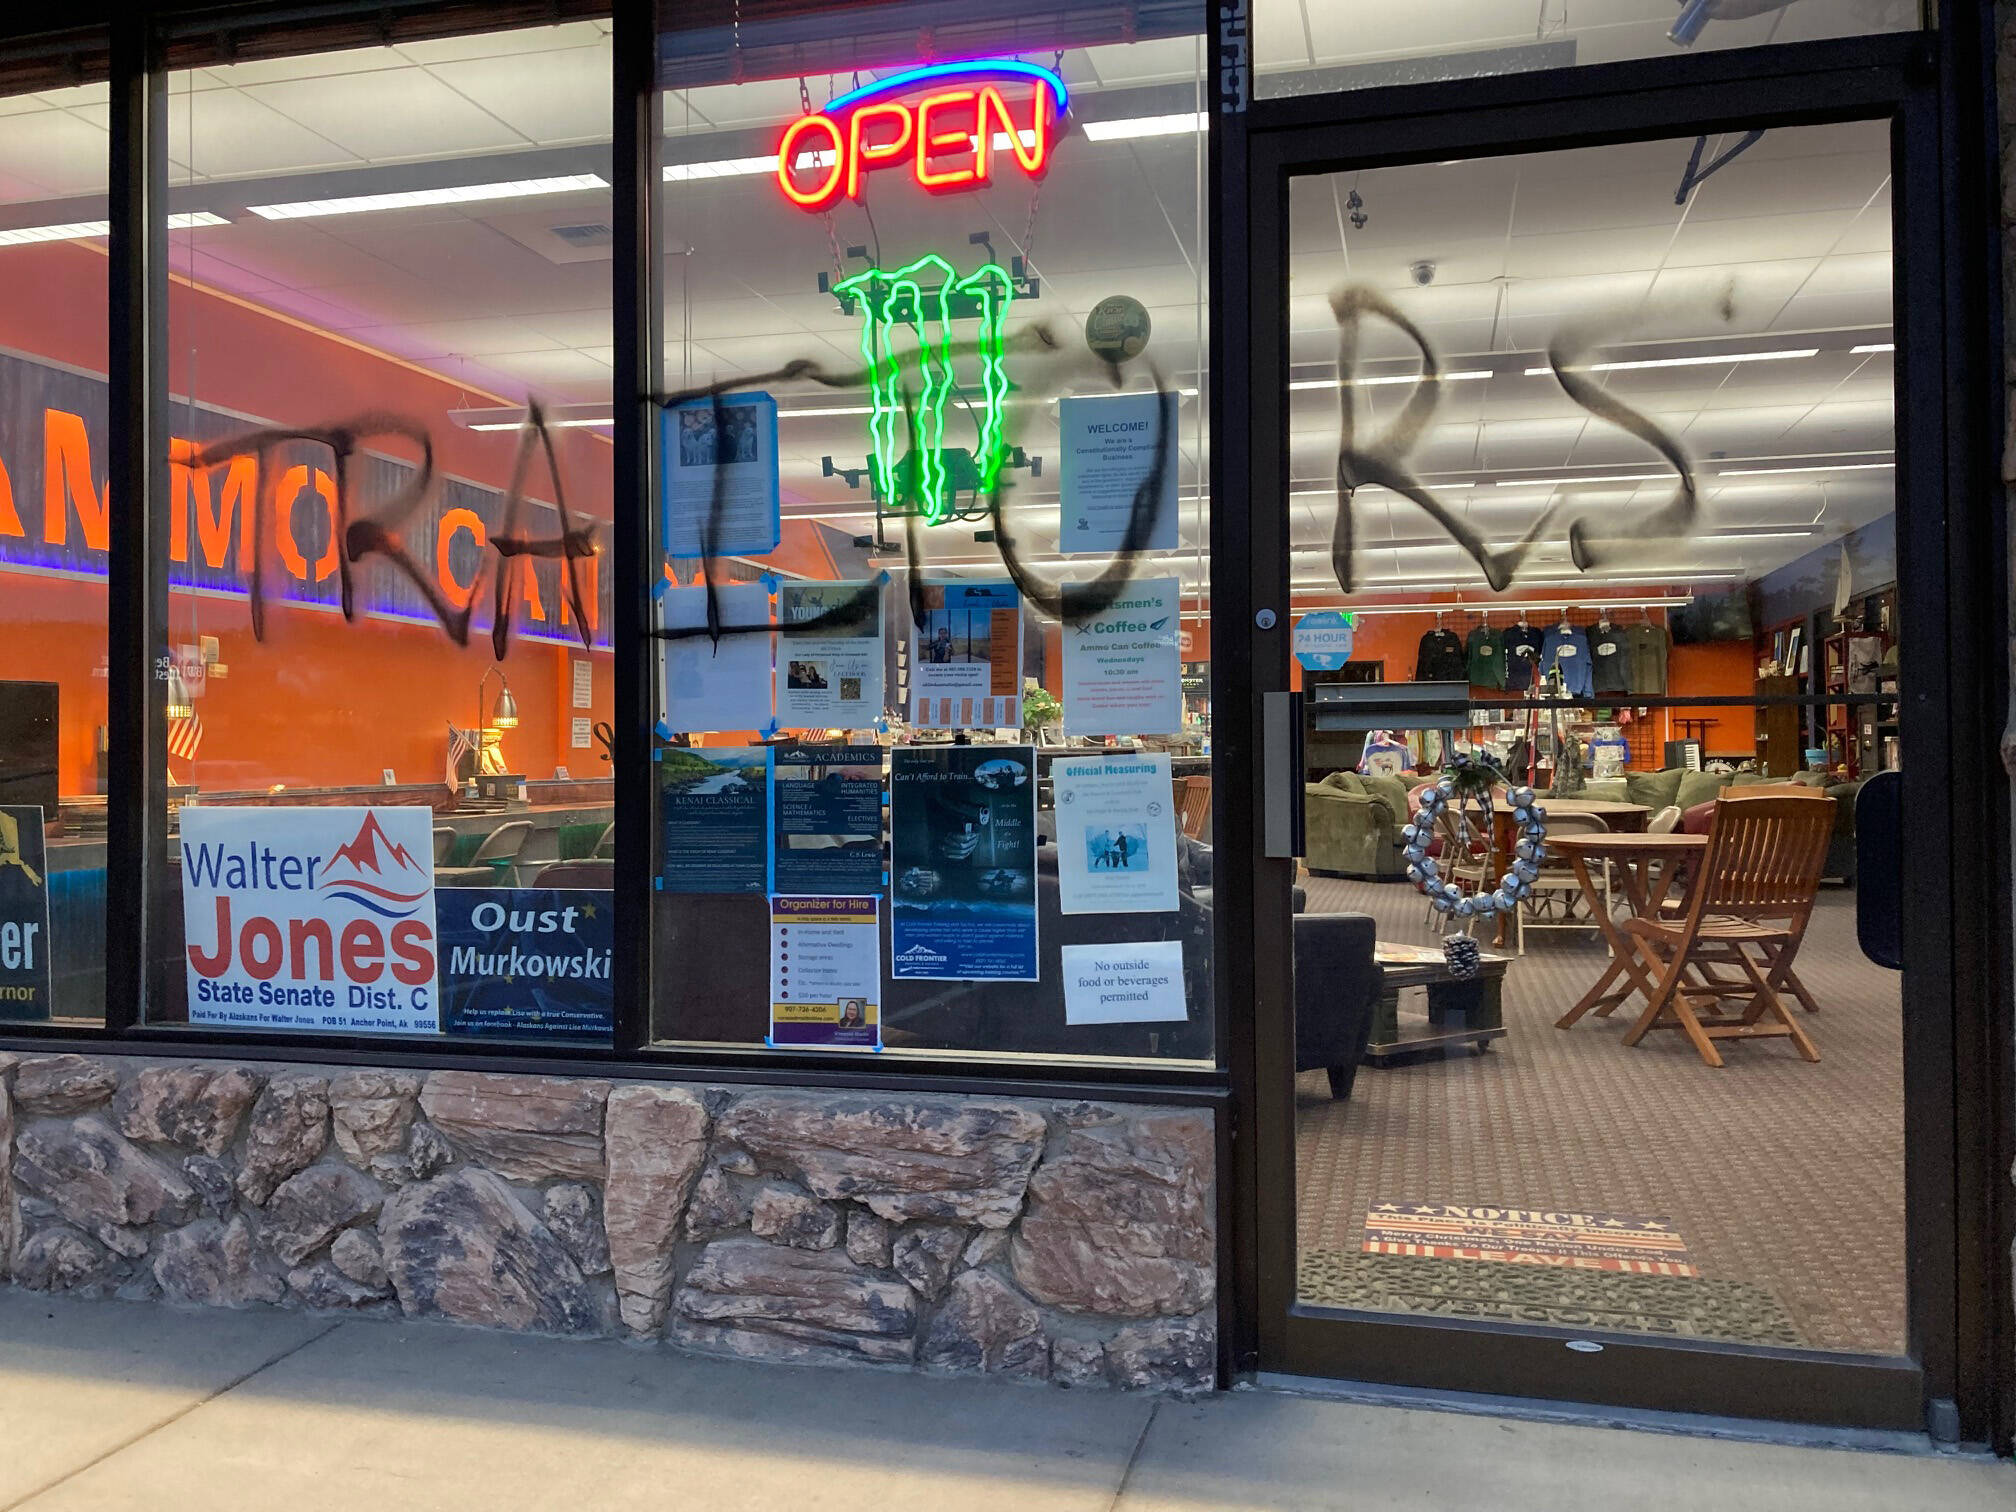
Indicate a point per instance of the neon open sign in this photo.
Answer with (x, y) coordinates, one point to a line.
(949, 128)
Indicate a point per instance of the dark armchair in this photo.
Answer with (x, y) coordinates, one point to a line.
(1338, 982)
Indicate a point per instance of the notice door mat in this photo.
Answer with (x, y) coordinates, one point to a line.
(1541, 1237)
(1597, 1300)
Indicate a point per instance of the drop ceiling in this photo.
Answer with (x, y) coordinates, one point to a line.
(1787, 245)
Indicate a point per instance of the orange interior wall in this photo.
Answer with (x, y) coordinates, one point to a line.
(1716, 669)
(319, 702)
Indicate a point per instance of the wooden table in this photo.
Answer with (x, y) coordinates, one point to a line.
(1461, 1014)
(1648, 866)
(1623, 819)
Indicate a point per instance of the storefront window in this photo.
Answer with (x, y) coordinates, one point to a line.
(933, 754)
(53, 533)
(1316, 47)
(390, 682)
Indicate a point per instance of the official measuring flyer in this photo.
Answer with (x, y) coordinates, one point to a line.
(966, 657)
(529, 962)
(713, 814)
(1123, 664)
(1110, 446)
(829, 655)
(826, 972)
(1116, 833)
(311, 918)
(826, 832)
(25, 977)
(963, 863)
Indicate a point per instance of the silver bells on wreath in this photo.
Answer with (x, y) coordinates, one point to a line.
(1528, 851)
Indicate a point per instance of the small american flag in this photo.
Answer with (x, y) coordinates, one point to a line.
(460, 744)
(184, 736)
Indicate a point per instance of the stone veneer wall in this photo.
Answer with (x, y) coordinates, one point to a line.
(1073, 1242)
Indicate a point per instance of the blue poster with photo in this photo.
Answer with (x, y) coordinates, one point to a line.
(963, 863)
(827, 803)
(714, 819)
(718, 491)
(527, 962)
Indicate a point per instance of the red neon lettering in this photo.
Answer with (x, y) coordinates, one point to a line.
(862, 153)
(944, 157)
(1035, 158)
(937, 143)
(789, 150)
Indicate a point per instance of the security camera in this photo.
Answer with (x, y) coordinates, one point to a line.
(1423, 271)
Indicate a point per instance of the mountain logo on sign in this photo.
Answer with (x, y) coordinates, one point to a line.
(375, 873)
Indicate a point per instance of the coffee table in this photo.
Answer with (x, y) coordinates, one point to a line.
(1465, 1014)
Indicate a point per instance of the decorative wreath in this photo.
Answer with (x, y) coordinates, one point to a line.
(1467, 782)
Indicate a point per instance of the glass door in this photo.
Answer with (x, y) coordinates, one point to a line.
(1578, 1084)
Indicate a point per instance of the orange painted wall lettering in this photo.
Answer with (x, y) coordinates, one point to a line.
(66, 481)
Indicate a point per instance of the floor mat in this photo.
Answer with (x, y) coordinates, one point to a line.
(1598, 1300)
(1513, 1235)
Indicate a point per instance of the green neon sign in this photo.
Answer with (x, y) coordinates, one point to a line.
(903, 298)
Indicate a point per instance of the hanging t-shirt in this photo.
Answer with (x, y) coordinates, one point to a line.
(1522, 645)
(1385, 755)
(1486, 658)
(1440, 658)
(1610, 659)
(1648, 659)
(1566, 649)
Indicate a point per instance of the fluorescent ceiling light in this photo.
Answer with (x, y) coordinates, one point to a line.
(1143, 126)
(84, 230)
(460, 194)
(1874, 346)
(1327, 493)
(512, 425)
(1605, 478)
(810, 414)
(1758, 472)
(1467, 376)
(1675, 362)
(743, 167)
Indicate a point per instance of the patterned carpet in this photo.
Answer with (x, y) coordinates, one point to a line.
(1785, 1179)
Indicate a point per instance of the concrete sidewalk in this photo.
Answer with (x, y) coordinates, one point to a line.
(110, 1405)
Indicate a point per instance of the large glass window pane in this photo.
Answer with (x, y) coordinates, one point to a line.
(55, 523)
(390, 350)
(1581, 1124)
(959, 801)
(1317, 46)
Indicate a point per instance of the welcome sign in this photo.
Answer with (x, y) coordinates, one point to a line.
(314, 919)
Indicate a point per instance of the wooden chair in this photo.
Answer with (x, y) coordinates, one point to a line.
(1557, 885)
(1193, 801)
(1754, 892)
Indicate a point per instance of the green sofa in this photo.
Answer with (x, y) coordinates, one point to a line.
(1692, 791)
(1353, 826)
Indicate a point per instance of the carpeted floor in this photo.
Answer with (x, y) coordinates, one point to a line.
(1783, 1177)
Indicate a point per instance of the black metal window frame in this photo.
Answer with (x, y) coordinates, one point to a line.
(1937, 91)
(137, 56)
(1939, 87)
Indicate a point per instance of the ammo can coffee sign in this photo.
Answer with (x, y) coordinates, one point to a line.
(24, 915)
(316, 919)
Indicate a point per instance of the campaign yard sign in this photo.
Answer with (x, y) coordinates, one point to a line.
(316, 919)
(24, 915)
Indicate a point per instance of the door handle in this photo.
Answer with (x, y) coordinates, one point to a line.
(1282, 772)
